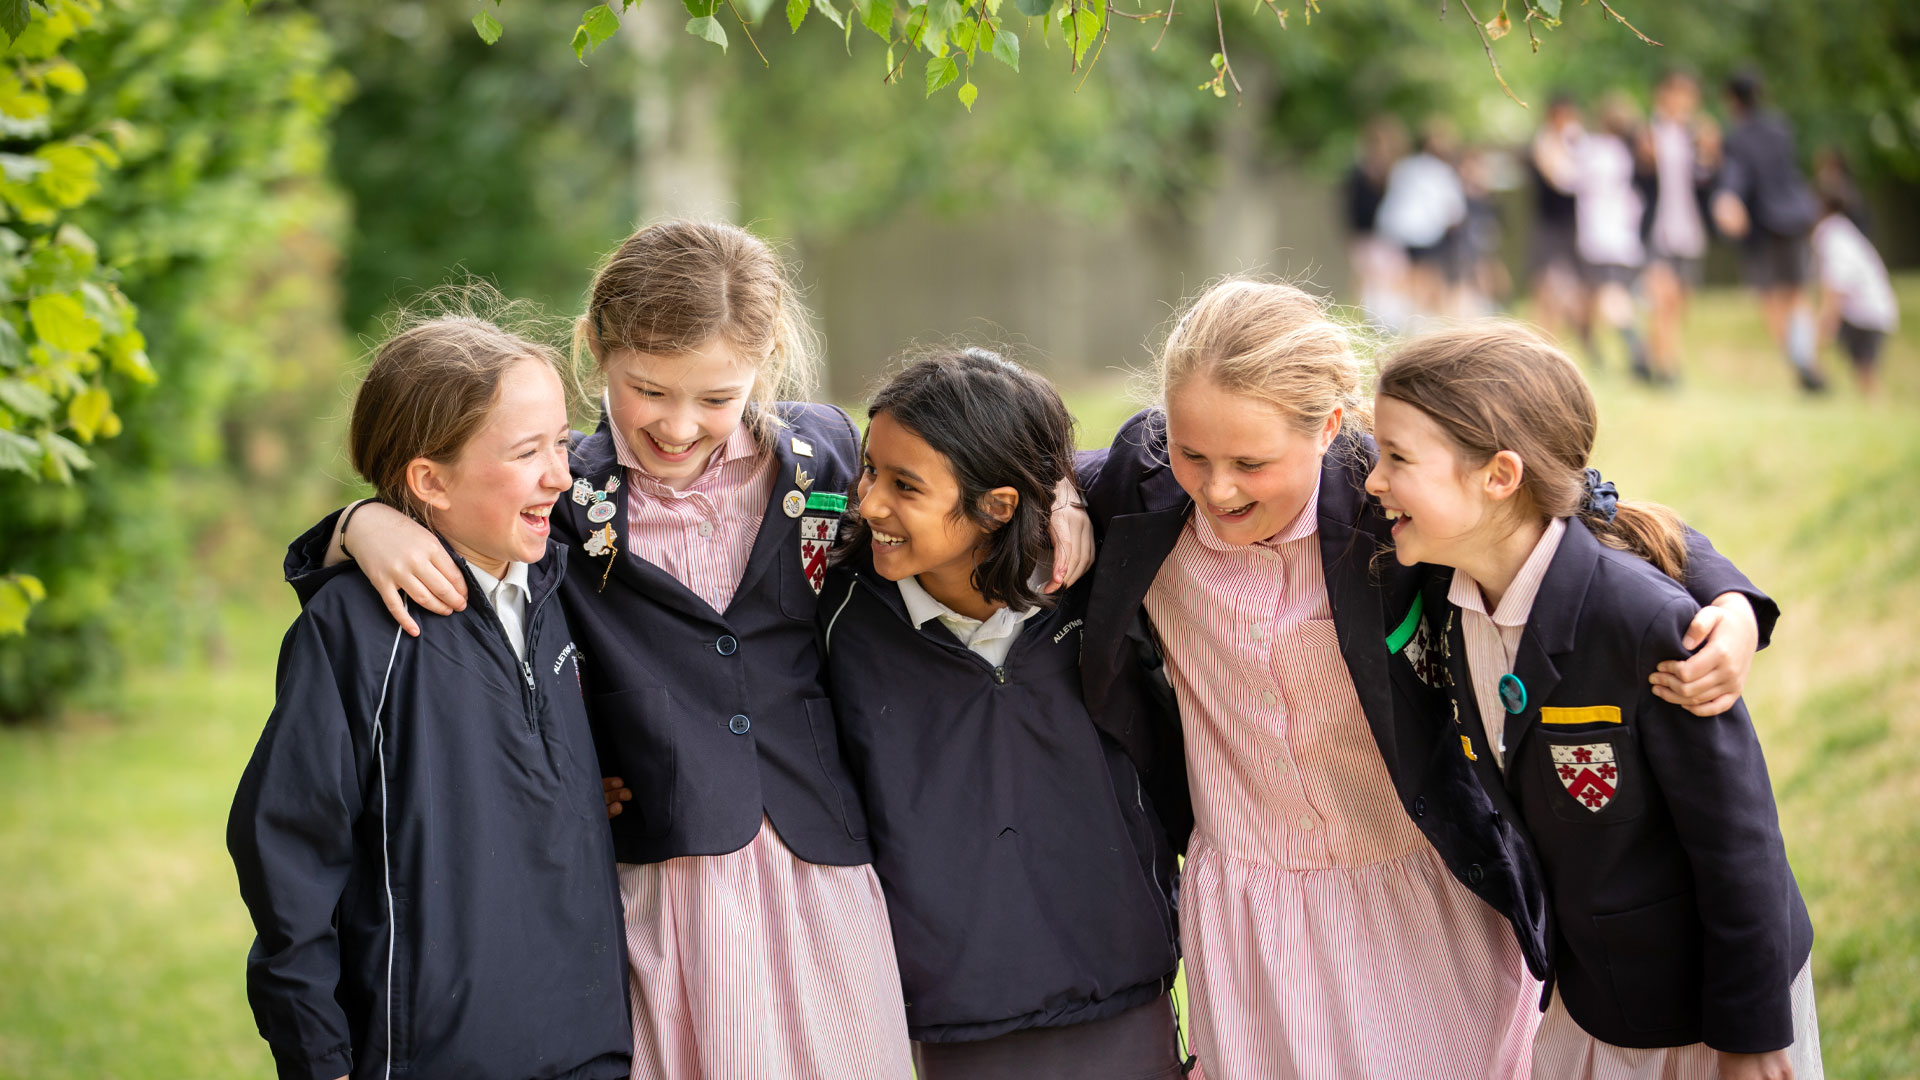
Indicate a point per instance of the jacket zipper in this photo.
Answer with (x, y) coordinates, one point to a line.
(999, 670)
(529, 691)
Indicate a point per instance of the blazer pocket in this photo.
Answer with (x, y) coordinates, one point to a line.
(1594, 777)
(833, 766)
(634, 729)
(1653, 960)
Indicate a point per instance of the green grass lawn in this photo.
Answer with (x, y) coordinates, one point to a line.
(123, 941)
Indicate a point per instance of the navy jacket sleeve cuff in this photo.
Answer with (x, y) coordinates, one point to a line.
(1709, 574)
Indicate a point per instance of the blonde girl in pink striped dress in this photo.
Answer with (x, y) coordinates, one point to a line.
(1323, 935)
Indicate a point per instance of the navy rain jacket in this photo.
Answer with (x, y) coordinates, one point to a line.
(1028, 882)
(421, 840)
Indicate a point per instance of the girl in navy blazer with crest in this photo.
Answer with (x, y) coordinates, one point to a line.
(1268, 350)
(1679, 941)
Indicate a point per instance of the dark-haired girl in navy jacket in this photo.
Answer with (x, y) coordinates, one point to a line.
(1679, 940)
(1026, 877)
(420, 835)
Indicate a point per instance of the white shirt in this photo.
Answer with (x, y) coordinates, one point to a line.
(1423, 200)
(1853, 270)
(1606, 207)
(510, 597)
(1677, 228)
(992, 638)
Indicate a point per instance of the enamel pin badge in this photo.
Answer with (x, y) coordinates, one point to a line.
(793, 504)
(801, 447)
(1588, 772)
(818, 528)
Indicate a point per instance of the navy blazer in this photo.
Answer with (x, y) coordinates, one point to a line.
(1139, 511)
(1675, 917)
(712, 718)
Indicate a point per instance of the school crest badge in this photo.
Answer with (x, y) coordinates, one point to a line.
(1588, 772)
(819, 525)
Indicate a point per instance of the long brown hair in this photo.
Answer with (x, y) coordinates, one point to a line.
(676, 285)
(431, 385)
(1495, 385)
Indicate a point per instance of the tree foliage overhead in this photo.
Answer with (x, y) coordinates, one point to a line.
(68, 336)
(216, 224)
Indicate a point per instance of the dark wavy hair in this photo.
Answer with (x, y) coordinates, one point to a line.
(998, 425)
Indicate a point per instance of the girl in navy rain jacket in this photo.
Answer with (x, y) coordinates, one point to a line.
(1026, 877)
(1680, 942)
(420, 836)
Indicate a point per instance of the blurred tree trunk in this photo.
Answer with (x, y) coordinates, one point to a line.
(682, 167)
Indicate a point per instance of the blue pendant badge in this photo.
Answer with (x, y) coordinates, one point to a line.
(1513, 693)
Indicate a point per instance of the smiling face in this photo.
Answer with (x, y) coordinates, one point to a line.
(1245, 463)
(910, 500)
(676, 411)
(492, 501)
(1439, 511)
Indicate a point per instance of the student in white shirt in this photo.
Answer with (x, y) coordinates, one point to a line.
(1857, 305)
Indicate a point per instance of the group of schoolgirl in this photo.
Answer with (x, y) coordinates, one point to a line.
(888, 798)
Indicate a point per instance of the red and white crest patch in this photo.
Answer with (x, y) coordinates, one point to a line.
(816, 540)
(1588, 772)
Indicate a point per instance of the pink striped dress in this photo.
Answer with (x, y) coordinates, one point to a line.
(1323, 935)
(753, 965)
(1562, 1049)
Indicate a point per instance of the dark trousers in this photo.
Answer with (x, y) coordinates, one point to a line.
(1139, 1044)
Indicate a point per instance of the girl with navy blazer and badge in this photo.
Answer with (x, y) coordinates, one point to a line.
(1239, 555)
(1027, 878)
(1678, 941)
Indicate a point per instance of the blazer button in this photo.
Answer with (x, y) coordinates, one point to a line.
(739, 724)
(727, 645)
(1475, 875)
(1419, 806)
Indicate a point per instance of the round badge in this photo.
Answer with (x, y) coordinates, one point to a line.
(600, 511)
(794, 504)
(1513, 693)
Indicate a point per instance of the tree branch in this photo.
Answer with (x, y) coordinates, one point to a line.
(747, 30)
(1608, 8)
(1165, 26)
(1486, 43)
(1219, 28)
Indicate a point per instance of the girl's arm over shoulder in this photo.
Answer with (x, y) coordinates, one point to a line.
(290, 834)
(1735, 621)
(1713, 779)
(400, 557)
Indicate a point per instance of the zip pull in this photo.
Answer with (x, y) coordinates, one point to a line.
(526, 670)
(1000, 675)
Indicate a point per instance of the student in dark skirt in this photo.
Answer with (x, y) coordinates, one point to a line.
(1026, 875)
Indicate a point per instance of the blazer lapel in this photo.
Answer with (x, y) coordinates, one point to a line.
(1347, 552)
(1551, 626)
(779, 536)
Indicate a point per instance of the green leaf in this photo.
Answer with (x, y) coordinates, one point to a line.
(15, 605)
(61, 322)
(941, 70)
(73, 177)
(13, 351)
(88, 412)
(60, 457)
(1033, 8)
(600, 23)
(1549, 8)
(26, 399)
(962, 35)
(942, 16)
(14, 16)
(701, 9)
(1006, 48)
(877, 16)
(127, 353)
(18, 453)
(708, 27)
(797, 13)
(825, 7)
(968, 93)
(65, 76)
(487, 27)
(580, 43)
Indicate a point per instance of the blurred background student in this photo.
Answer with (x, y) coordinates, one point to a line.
(1681, 150)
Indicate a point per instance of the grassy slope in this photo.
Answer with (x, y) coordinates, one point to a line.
(122, 940)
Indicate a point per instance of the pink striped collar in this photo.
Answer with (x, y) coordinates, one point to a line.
(1517, 604)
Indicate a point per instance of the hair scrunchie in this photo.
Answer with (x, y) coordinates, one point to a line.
(1601, 497)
